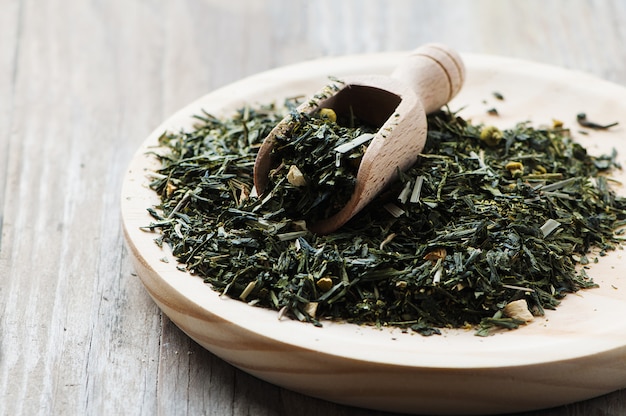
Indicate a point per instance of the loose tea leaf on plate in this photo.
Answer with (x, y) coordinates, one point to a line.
(484, 218)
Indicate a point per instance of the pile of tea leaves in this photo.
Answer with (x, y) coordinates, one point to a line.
(483, 219)
(317, 165)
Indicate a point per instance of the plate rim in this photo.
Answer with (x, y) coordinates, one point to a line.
(236, 312)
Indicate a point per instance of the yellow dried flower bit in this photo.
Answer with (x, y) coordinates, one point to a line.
(325, 284)
(515, 168)
(401, 284)
(328, 114)
(170, 188)
(491, 136)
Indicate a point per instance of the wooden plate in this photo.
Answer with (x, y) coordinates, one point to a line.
(574, 353)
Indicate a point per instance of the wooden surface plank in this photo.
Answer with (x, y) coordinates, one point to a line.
(9, 33)
(82, 84)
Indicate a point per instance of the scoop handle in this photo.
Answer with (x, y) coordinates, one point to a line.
(435, 72)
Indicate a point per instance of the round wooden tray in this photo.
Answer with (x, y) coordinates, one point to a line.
(573, 353)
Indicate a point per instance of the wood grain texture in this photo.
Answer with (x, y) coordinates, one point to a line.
(82, 84)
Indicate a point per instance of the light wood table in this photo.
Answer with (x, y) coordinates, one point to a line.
(83, 83)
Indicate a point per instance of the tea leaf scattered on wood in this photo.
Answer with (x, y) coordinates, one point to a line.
(484, 218)
(583, 121)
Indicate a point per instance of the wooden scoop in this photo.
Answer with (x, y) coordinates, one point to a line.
(427, 79)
